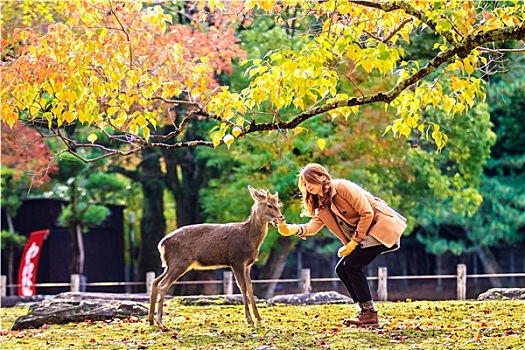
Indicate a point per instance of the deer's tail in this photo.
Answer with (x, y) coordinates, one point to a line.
(162, 251)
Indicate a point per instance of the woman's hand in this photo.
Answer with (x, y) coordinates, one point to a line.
(347, 249)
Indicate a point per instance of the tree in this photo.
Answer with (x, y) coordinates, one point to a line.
(98, 67)
(88, 193)
(11, 242)
(500, 219)
(26, 155)
(181, 171)
(25, 163)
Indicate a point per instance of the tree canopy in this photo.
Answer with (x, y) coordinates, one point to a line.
(123, 69)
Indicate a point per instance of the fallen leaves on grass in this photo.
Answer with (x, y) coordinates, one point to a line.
(403, 325)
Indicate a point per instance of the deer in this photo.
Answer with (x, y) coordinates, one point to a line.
(211, 246)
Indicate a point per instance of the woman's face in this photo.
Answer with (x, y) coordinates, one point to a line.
(313, 188)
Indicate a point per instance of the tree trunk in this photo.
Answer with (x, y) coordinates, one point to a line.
(489, 264)
(153, 222)
(76, 268)
(186, 175)
(273, 268)
(10, 269)
(11, 261)
(439, 271)
(77, 264)
(77, 259)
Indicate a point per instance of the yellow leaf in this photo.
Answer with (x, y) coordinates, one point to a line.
(236, 131)
(240, 121)
(298, 102)
(216, 139)
(92, 138)
(146, 132)
(141, 121)
(468, 66)
(367, 65)
(298, 130)
(436, 100)
(321, 143)
(405, 130)
(228, 140)
(112, 110)
(43, 102)
(250, 103)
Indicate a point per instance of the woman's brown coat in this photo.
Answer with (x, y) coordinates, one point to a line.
(358, 208)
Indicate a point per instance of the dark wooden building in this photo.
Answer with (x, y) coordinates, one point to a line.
(103, 245)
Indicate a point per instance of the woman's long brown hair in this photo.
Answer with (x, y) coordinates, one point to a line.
(315, 174)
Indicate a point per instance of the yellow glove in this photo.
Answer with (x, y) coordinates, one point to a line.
(286, 229)
(347, 249)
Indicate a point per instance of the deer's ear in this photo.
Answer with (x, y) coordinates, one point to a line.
(256, 195)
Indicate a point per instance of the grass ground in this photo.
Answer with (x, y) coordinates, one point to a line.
(404, 325)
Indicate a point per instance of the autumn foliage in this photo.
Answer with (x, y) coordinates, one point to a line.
(114, 71)
(122, 67)
(25, 152)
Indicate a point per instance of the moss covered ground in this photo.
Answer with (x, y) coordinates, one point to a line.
(404, 325)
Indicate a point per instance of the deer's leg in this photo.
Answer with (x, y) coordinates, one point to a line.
(249, 290)
(164, 284)
(238, 271)
(153, 296)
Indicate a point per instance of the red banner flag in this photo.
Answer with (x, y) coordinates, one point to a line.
(29, 263)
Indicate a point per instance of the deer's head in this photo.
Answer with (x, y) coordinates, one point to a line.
(268, 206)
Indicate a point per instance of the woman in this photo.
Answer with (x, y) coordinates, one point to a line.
(365, 224)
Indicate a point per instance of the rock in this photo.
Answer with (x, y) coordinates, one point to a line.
(503, 293)
(235, 299)
(59, 311)
(14, 300)
(329, 297)
(10, 301)
(140, 298)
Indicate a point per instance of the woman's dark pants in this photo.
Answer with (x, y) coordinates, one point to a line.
(350, 270)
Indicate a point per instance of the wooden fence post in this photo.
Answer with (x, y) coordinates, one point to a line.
(3, 286)
(150, 276)
(462, 281)
(306, 283)
(382, 290)
(75, 283)
(227, 283)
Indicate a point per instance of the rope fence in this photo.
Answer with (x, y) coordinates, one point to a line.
(305, 281)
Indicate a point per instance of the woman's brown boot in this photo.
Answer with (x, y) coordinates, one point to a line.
(366, 318)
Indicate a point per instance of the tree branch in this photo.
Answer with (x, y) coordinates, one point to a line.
(405, 6)
(462, 50)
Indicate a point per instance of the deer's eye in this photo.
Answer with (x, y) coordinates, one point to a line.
(270, 206)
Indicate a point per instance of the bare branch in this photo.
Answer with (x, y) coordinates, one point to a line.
(405, 6)
(401, 25)
(127, 37)
(176, 102)
(486, 49)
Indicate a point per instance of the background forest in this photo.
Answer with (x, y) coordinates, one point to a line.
(464, 203)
